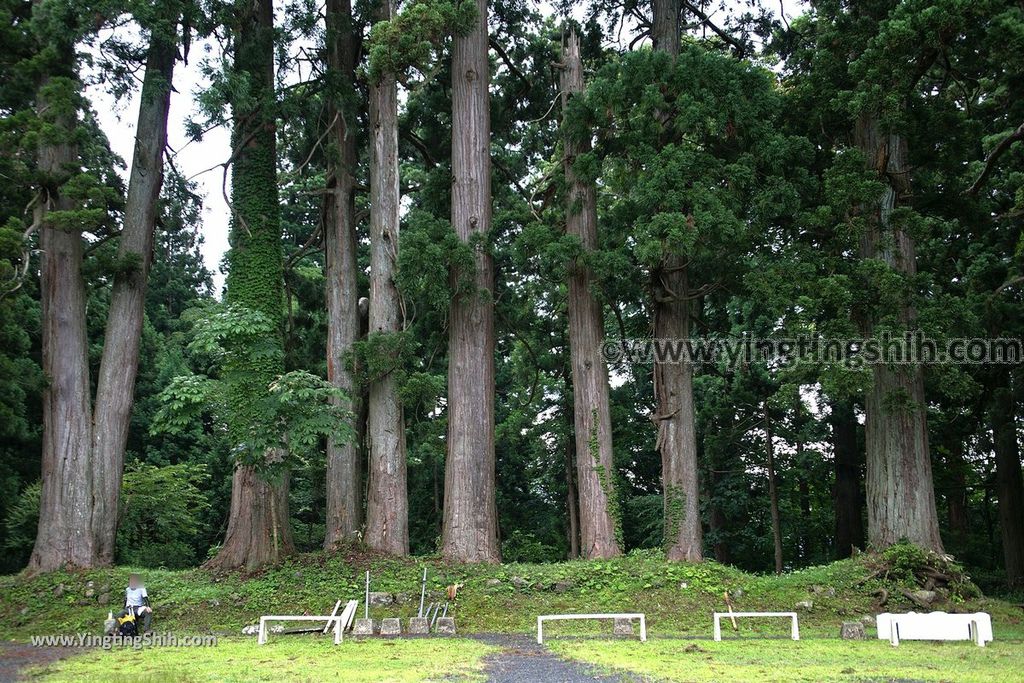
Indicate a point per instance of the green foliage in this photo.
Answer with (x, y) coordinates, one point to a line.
(290, 414)
(382, 354)
(524, 547)
(412, 37)
(162, 510)
(428, 251)
(22, 522)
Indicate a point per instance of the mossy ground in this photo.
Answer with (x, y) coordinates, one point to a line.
(814, 660)
(306, 658)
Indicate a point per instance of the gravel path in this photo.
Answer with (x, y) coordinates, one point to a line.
(522, 660)
(17, 656)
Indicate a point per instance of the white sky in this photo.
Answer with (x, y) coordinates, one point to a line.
(118, 117)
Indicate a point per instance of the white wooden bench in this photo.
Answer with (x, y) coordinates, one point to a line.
(794, 629)
(976, 627)
(560, 617)
(340, 623)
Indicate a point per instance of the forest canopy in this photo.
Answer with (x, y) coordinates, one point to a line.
(512, 281)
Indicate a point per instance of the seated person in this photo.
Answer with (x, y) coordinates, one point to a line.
(136, 601)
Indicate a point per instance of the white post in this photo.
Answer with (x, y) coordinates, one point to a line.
(262, 639)
(643, 629)
(795, 632)
(540, 630)
(337, 631)
(894, 634)
(718, 626)
(975, 632)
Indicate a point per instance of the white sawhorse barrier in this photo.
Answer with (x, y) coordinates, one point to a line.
(794, 629)
(340, 622)
(560, 617)
(976, 627)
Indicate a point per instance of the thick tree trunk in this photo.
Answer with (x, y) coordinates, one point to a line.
(900, 492)
(595, 468)
(115, 387)
(66, 532)
(258, 522)
(847, 493)
(773, 494)
(470, 528)
(673, 382)
(258, 525)
(343, 485)
(665, 28)
(387, 505)
(1009, 484)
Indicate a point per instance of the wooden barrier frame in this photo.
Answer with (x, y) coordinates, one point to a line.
(340, 622)
(559, 617)
(794, 630)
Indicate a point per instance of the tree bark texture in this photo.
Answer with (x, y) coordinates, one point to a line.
(595, 469)
(258, 529)
(900, 492)
(387, 505)
(66, 531)
(343, 485)
(115, 389)
(848, 499)
(470, 529)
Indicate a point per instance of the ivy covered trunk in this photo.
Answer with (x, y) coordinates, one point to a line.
(673, 382)
(343, 487)
(387, 503)
(1009, 487)
(470, 525)
(258, 523)
(66, 532)
(847, 497)
(595, 479)
(115, 389)
(900, 493)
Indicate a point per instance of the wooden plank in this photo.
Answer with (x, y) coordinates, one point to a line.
(327, 626)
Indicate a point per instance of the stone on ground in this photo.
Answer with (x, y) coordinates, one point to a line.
(852, 630)
(623, 627)
(419, 626)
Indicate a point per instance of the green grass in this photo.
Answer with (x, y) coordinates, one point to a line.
(678, 598)
(765, 661)
(285, 658)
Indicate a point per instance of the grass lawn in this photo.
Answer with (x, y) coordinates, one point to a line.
(284, 658)
(764, 661)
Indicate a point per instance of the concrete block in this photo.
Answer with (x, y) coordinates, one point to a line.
(419, 626)
(445, 626)
(363, 627)
(391, 626)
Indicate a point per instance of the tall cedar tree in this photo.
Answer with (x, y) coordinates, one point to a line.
(258, 526)
(387, 502)
(470, 526)
(598, 521)
(84, 442)
(342, 488)
(673, 382)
